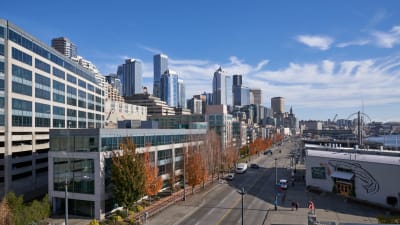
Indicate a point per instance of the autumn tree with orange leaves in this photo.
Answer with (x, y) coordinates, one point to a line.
(153, 182)
(196, 168)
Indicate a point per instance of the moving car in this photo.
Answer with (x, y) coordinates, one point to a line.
(241, 167)
(283, 183)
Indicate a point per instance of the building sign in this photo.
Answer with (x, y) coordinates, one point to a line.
(318, 172)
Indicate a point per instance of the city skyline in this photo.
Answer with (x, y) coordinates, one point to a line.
(323, 58)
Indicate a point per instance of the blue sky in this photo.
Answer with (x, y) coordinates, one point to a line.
(324, 57)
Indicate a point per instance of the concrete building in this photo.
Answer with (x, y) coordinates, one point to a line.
(195, 105)
(160, 65)
(169, 88)
(278, 105)
(255, 96)
(363, 174)
(40, 89)
(221, 122)
(130, 75)
(155, 106)
(83, 158)
(64, 46)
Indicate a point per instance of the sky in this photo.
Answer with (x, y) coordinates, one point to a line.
(324, 57)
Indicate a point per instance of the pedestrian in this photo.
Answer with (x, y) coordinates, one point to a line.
(293, 205)
(297, 205)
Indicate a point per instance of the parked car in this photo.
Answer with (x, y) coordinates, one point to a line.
(230, 176)
(283, 183)
(254, 166)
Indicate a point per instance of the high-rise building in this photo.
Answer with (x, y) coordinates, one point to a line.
(41, 89)
(278, 105)
(256, 96)
(181, 94)
(160, 64)
(229, 92)
(169, 88)
(241, 94)
(130, 75)
(64, 46)
(219, 87)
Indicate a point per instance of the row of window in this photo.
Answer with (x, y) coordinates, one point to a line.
(24, 42)
(26, 121)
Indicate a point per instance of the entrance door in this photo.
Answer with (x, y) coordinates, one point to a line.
(343, 188)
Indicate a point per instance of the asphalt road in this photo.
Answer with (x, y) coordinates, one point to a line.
(224, 204)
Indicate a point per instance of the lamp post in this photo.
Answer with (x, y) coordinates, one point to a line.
(276, 187)
(66, 201)
(242, 193)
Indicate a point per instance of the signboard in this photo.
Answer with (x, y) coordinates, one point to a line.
(318, 172)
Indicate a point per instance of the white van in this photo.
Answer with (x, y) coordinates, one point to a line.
(241, 167)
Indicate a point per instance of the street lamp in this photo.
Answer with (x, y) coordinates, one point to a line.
(276, 187)
(242, 192)
(66, 201)
(184, 176)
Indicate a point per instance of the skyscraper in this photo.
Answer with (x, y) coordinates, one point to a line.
(229, 92)
(241, 94)
(169, 88)
(181, 94)
(130, 75)
(64, 46)
(160, 63)
(278, 105)
(256, 96)
(219, 87)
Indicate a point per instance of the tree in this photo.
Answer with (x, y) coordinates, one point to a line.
(212, 146)
(5, 213)
(196, 170)
(231, 157)
(153, 182)
(127, 175)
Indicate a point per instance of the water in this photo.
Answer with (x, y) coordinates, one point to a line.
(387, 140)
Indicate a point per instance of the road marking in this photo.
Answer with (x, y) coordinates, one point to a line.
(228, 211)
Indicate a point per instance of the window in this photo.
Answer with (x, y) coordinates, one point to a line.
(90, 87)
(21, 56)
(82, 83)
(21, 73)
(1, 49)
(2, 32)
(21, 113)
(58, 111)
(82, 99)
(71, 78)
(58, 86)
(21, 88)
(58, 73)
(42, 87)
(42, 66)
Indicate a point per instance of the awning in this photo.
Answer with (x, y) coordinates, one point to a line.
(342, 175)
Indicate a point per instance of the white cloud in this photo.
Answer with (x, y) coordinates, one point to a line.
(351, 43)
(319, 42)
(387, 39)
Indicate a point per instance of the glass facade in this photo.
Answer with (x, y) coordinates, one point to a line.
(74, 143)
(42, 66)
(79, 173)
(21, 56)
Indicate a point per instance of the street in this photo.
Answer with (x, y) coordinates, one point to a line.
(222, 204)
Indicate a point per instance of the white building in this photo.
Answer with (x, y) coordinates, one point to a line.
(369, 175)
(40, 89)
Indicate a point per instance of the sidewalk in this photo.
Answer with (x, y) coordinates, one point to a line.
(182, 209)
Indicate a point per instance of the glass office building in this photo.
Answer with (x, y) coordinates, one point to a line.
(40, 89)
(160, 65)
(169, 88)
(82, 157)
